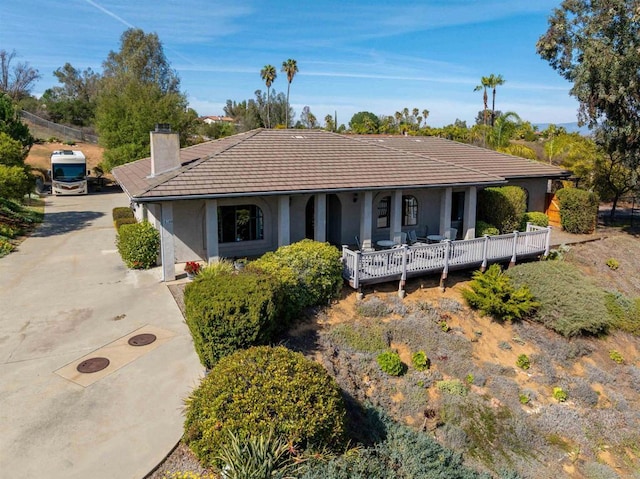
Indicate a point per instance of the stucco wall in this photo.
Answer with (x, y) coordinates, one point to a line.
(537, 189)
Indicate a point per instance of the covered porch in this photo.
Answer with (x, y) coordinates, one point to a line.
(361, 268)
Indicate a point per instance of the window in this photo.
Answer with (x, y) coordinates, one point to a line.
(240, 223)
(383, 212)
(409, 211)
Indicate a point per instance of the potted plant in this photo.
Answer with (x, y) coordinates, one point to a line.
(192, 268)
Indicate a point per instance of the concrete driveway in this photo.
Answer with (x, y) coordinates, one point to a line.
(66, 296)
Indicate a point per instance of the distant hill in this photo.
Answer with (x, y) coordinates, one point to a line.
(570, 127)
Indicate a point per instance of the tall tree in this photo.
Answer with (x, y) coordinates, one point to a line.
(268, 74)
(364, 122)
(290, 67)
(494, 81)
(484, 84)
(595, 44)
(18, 80)
(138, 90)
(74, 101)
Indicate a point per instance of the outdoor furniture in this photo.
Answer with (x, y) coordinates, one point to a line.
(400, 237)
(435, 238)
(451, 234)
(386, 243)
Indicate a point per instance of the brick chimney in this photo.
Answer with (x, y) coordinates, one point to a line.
(165, 149)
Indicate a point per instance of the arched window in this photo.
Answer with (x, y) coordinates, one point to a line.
(409, 211)
(240, 223)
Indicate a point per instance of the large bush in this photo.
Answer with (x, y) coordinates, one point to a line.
(138, 244)
(569, 303)
(226, 312)
(262, 390)
(493, 293)
(503, 207)
(578, 210)
(484, 228)
(15, 182)
(310, 271)
(121, 212)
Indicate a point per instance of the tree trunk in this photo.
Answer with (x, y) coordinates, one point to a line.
(614, 204)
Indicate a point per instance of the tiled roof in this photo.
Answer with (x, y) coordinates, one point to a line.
(470, 156)
(286, 161)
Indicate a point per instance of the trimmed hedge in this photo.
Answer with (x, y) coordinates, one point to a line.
(262, 390)
(535, 218)
(484, 228)
(122, 212)
(226, 312)
(502, 206)
(310, 271)
(578, 210)
(138, 244)
(124, 221)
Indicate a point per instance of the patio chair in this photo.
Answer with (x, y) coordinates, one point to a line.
(451, 234)
(423, 239)
(358, 245)
(412, 237)
(400, 238)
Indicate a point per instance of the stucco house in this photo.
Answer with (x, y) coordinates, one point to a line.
(250, 193)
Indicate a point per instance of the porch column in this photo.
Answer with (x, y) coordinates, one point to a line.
(470, 206)
(284, 225)
(211, 231)
(366, 219)
(167, 249)
(445, 210)
(396, 213)
(320, 220)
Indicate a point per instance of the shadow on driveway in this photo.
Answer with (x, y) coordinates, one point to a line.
(58, 223)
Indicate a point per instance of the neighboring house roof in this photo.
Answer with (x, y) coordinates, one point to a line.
(265, 161)
(217, 119)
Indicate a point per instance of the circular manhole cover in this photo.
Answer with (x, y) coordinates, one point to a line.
(142, 339)
(92, 365)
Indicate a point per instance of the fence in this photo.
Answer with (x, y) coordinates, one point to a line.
(65, 132)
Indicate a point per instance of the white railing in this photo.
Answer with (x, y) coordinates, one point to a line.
(400, 262)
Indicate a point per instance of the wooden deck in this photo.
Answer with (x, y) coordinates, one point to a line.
(402, 262)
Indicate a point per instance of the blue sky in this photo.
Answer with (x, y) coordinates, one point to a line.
(378, 56)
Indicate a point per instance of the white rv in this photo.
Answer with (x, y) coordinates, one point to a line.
(68, 173)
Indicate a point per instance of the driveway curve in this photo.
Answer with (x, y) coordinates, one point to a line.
(66, 296)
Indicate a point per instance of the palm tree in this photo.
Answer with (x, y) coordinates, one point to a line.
(290, 67)
(484, 84)
(492, 82)
(268, 74)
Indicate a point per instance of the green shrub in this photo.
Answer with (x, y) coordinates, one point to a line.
(502, 206)
(452, 386)
(401, 453)
(8, 231)
(15, 182)
(613, 264)
(535, 218)
(256, 456)
(310, 271)
(523, 362)
(138, 244)
(524, 398)
(559, 394)
(616, 356)
(420, 361)
(213, 270)
(493, 294)
(570, 304)
(444, 326)
(121, 212)
(263, 389)
(623, 312)
(228, 312)
(124, 221)
(391, 364)
(484, 228)
(5, 247)
(578, 210)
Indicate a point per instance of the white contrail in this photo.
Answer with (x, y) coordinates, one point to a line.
(111, 14)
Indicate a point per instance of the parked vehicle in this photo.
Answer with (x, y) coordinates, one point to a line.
(69, 173)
